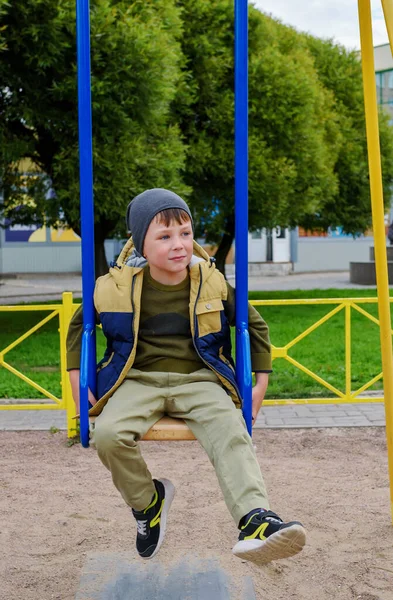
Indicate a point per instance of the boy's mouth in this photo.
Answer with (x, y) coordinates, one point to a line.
(177, 258)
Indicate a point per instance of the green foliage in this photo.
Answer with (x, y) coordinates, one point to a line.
(339, 70)
(294, 137)
(135, 73)
(163, 106)
(307, 145)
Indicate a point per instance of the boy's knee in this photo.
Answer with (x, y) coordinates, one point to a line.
(108, 439)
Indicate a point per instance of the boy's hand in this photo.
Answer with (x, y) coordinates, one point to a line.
(258, 393)
(74, 380)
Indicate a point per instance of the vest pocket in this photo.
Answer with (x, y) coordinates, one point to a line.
(209, 316)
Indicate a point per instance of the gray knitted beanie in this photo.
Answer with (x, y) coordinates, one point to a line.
(144, 207)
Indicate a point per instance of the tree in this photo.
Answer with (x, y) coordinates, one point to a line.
(293, 141)
(163, 104)
(136, 61)
(340, 72)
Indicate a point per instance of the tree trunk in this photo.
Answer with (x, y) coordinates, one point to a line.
(100, 262)
(101, 229)
(269, 245)
(225, 244)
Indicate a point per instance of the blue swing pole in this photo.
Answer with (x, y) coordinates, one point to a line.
(88, 352)
(243, 357)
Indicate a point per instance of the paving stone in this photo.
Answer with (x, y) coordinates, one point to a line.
(376, 418)
(261, 417)
(299, 422)
(35, 420)
(354, 420)
(270, 412)
(332, 413)
(274, 422)
(327, 413)
(317, 408)
(303, 411)
(350, 424)
(325, 421)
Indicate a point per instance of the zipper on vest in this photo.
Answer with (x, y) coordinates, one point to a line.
(133, 309)
(234, 385)
(224, 358)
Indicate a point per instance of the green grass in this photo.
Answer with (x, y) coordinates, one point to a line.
(322, 351)
(37, 357)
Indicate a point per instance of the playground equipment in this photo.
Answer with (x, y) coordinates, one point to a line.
(374, 161)
(166, 428)
(243, 362)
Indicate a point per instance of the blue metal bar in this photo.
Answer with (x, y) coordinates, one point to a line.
(243, 358)
(88, 354)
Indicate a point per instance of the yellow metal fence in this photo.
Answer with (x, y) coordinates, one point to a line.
(347, 395)
(63, 313)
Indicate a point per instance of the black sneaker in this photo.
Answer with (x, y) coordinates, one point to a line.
(151, 522)
(265, 537)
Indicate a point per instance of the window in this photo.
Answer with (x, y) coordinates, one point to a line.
(378, 80)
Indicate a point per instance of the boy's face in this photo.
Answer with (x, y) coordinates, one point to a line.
(168, 250)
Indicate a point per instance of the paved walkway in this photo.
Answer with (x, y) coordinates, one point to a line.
(271, 417)
(37, 288)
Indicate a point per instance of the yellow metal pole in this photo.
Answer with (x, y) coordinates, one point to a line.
(387, 6)
(374, 160)
(66, 313)
(347, 333)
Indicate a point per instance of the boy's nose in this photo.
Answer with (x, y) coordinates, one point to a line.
(177, 243)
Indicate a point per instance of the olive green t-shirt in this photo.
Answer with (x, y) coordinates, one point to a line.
(164, 339)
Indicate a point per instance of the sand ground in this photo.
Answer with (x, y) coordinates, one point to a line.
(58, 504)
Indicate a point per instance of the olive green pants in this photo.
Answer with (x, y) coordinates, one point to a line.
(218, 425)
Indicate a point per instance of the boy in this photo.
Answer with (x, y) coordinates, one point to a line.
(166, 312)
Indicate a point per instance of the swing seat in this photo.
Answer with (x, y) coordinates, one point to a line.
(169, 428)
(166, 429)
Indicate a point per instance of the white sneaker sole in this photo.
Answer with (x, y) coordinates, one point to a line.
(282, 544)
(169, 495)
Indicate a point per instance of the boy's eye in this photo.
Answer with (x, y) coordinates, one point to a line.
(186, 233)
(165, 237)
